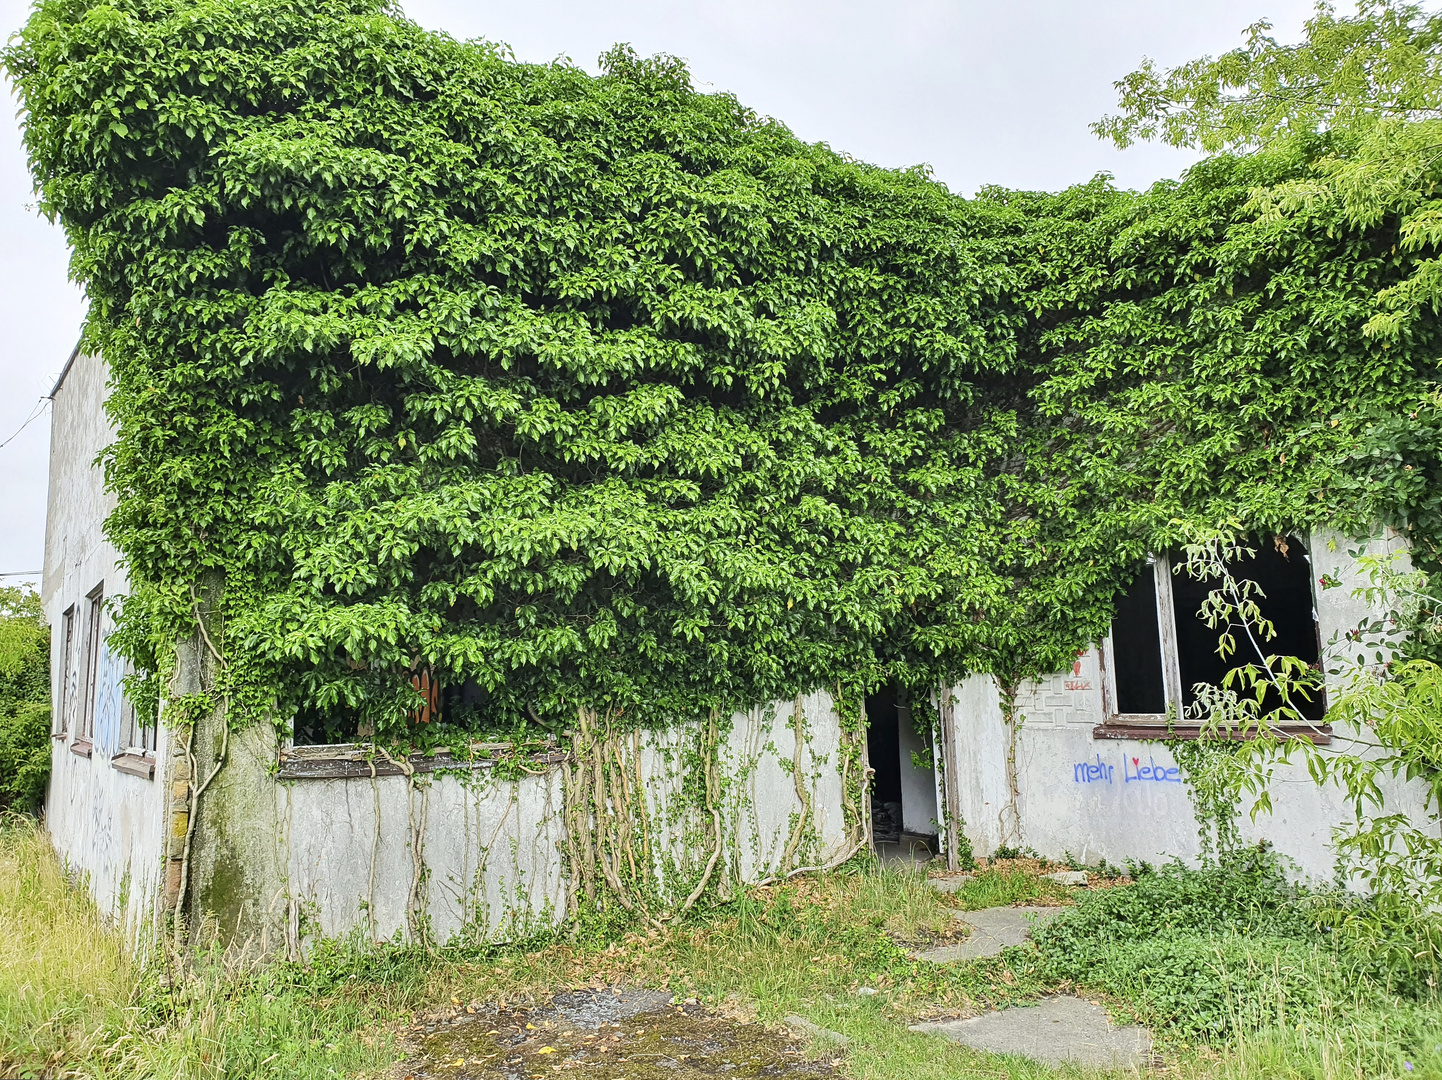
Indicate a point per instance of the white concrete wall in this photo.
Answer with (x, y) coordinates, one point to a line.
(279, 861)
(919, 808)
(760, 807)
(1124, 799)
(107, 826)
(491, 850)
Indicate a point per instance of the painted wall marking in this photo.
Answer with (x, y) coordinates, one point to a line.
(1087, 772)
(1157, 774)
(1133, 772)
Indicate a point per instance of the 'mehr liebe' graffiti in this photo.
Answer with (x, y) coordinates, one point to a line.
(1133, 771)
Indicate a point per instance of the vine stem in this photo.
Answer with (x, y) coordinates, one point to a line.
(375, 852)
(799, 722)
(1012, 831)
(714, 740)
(197, 792)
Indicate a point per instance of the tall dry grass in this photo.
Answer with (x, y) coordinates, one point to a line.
(64, 974)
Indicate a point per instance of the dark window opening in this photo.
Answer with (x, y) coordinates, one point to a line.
(1285, 577)
(67, 668)
(903, 787)
(454, 704)
(1137, 648)
(326, 727)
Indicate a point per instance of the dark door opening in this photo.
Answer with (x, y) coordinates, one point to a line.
(903, 787)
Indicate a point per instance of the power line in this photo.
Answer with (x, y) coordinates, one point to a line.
(23, 573)
(39, 408)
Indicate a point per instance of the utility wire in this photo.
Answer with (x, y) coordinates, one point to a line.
(22, 573)
(39, 408)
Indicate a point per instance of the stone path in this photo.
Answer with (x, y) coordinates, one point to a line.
(992, 929)
(1059, 1030)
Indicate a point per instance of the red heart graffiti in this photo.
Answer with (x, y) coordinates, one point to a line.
(1136, 761)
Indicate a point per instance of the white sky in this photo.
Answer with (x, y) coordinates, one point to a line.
(997, 92)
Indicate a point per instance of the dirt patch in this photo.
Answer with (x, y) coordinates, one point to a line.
(950, 882)
(602, 1035)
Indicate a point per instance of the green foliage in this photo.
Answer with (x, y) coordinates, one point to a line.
(1218, 951)
(1372, 80)
(24, 699)
(605, 393)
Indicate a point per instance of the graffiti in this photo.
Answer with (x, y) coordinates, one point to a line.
(1076, 682)
(1133, 772)
(1086, 772)
(1157, 774)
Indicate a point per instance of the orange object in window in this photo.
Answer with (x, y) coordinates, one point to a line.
(430, 688)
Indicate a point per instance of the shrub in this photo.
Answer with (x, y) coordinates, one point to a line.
(1209, 952)
(24, 700)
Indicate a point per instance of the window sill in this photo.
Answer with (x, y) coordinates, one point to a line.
(60, 736)
(82, 749)
(353, 761)
(134, 763)
(1320, 735)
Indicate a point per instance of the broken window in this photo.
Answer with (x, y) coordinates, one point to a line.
(136, 735)
(1160, 648)
(341, 725)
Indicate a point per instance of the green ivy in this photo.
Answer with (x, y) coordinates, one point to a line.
(602, 392)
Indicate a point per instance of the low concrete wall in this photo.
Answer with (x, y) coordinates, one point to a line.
(1126, 799)
(276, 862)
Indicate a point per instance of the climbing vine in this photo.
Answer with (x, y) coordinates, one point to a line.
(611, 404)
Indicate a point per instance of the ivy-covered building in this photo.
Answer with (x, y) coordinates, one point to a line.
(300, 836)
(486, 490)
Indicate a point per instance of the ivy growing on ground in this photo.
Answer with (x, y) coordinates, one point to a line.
(599, 392)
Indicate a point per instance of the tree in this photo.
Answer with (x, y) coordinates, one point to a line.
(1371, 82)
(24, 699)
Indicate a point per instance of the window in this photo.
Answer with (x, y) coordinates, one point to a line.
(136, 736)
(66, 696)
(341, 725)
(1159, 648)
(85, 730)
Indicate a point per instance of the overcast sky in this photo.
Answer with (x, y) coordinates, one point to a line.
(986, 92)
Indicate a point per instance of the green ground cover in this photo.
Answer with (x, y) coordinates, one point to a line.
(1239, 975)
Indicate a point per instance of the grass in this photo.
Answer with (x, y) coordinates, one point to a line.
(73, 1004)
(1292, 1004)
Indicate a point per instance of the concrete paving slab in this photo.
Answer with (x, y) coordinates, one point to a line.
(992, 929)
(949, 884)
(1061, 1029)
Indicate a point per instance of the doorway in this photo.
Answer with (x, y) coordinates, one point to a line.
(904, 804)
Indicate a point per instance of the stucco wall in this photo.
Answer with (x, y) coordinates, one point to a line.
(278, 861)
(107, 826)
(1125, 799)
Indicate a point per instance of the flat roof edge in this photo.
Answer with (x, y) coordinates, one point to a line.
(65, 371)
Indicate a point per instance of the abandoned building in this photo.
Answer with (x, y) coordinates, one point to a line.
(299, 840)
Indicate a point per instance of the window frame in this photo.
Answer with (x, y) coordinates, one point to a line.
(84, 740)
(1161, 567)
(65, 700)
(1117, 725)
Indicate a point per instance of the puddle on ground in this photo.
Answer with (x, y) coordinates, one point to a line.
(603, 1035)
